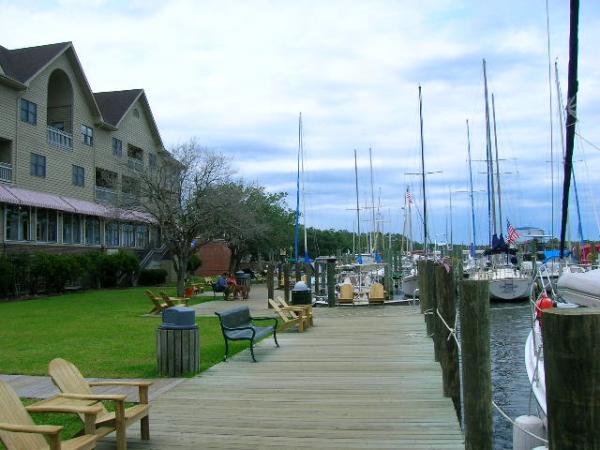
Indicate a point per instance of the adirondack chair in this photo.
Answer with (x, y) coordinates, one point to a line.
(72, 384)
(346, 294)
(159, 304)
(376, 294)
(305, 310)
(174, 301)
(19, 432)
(289, 318)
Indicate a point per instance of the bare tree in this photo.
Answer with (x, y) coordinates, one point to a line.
(176, 193)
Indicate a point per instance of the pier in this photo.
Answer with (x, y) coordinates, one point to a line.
(361, 378)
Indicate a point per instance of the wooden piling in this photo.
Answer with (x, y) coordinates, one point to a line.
(477, 377)
(437, 326)
(572, 368)
(270, 284)
(298, 271)
(317, 275)
(422, 285)
(331, 282)
(286, 281)
(445, 284)
(426, 289)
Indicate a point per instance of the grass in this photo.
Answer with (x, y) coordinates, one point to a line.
(103, 332)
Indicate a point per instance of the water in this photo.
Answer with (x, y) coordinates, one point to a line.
(510, 325)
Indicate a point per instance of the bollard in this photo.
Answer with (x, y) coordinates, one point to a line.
(572, 368)
(477, 377)
(270, 284)
(331, 282)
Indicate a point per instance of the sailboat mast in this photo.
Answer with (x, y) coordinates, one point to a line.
(451, 230)
(357, 204)
(571, 117)
(488, 157)
(297, 237)
(303, 191)
(425, 235)
(471, 186)
(497, 167)
(373, 239)
(551, 113)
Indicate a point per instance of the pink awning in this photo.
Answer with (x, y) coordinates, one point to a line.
(24, 197)
(39, 199)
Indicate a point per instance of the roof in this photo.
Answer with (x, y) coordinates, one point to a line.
(114, 105)
(24, 197)
(22, 64)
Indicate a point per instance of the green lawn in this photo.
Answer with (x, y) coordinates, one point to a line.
(103, 332)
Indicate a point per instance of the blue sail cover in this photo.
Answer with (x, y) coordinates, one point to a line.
(554, 254)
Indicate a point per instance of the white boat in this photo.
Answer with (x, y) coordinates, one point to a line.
(581, 288)
(506, 283)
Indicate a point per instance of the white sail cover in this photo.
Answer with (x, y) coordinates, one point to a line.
(580, 288)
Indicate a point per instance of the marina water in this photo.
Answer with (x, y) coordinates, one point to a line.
(510, 324)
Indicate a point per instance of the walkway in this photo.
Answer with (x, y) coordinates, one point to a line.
(363, 377)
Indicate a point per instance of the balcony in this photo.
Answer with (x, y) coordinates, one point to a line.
(6, 172)
(135, 164)
(130, 200)
(60, 139)
(105, 195)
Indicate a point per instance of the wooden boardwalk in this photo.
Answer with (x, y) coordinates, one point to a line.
(362, 378)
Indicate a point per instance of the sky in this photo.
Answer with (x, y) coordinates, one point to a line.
(236, 74)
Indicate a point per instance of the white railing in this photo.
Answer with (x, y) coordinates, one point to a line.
(60, 139)
(106, 195)
(135, 164)
(5, 172)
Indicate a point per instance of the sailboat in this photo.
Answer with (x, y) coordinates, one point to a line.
(300, 201)
(506, 280)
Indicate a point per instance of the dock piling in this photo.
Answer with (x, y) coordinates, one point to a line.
(331, 282)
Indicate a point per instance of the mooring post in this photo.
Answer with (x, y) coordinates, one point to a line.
(572, 367)
(270, 284)
(422, 285)
(436, 324)
(286, 281)
(317, 275)
(331, 282)
(477, 377)
(448, 350)
(298, 271)
(429, 285)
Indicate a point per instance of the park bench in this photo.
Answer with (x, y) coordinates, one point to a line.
(237, 325)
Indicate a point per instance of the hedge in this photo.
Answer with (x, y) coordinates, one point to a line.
(30, 274)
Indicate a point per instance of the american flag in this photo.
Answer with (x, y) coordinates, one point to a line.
(513, 234)
(409, 197)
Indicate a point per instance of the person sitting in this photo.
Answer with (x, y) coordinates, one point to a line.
(222, 285)
(234, 287)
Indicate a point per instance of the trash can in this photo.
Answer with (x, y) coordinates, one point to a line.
(301, 294)
(178, 342)
(243, 280)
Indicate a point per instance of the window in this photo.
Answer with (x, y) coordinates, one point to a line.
(28, 112)
(78, 177)
(136, 113)
(71, 229)
(128, 235)
(106, 178)
(117, 145)
(141, 236)
(92, 231)
(38, 165)
(46, 225)
(17, 223)
(88, 135)
(112, 234)
(152, 160)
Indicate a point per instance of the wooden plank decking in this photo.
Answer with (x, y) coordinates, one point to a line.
(362, 378)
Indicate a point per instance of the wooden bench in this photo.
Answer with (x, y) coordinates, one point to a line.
(237, 325)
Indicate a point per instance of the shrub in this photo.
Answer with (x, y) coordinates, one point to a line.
(193, 263)
(152, 277)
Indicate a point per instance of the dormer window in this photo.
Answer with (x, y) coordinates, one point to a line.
(87, 134)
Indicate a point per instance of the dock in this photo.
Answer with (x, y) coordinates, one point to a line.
(362, 378)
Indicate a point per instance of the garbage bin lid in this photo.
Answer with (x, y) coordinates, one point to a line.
(300, 286)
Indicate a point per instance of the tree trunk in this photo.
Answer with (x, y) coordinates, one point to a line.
(180, 265)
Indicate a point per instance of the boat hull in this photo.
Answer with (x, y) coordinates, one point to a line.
(410, 284)
(506, 289)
